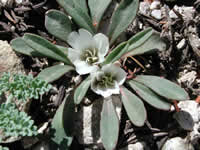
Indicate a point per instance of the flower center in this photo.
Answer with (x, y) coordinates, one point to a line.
(90, 55)
(106, 80)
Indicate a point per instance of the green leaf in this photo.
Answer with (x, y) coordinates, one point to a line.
(53, 73)
(62, 126)
(81, 4)
(134, 107)
(122, 17)
(45, 47)
(163, 87)
(116, 53)
(58, 24)
(20, 46)
(73, 8)
(145, 41)
(149, 96)
(81, 90)
(97, 9)
(63, 49)
(109, 125)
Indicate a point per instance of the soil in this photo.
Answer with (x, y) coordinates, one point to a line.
(30, 17)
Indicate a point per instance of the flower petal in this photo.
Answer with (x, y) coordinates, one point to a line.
(81, 40)
(73, 54)
(83, 68)
(102, 44)
(72, 40)
(121, 76)
(116, 71)
(105, 92)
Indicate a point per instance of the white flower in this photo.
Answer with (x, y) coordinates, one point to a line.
(106, 81)
(87, 51)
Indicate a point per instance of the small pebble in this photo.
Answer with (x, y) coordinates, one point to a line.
(137, 146)
(181, 44)
(144, 8)
(177, 143)
(155, 5)
(172, 15)
(18, 1)
(6, 3)
(156, 13)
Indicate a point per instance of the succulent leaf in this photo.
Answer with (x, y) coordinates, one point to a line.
(53, 73)
(20, 46)
(109, 125)
(58, 24)
(144, 42)
(81, 90)
(78, 13)
(116, 53)
(134, 107)
(45, 47)
(163, 87)
(149, 96)
(97, 9)
(62, 125)
(122, 17)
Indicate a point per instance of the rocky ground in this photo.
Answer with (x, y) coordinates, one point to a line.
(177, 21)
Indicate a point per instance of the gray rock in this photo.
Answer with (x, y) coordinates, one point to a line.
(177, 143)
(87, 124)
(172, 14)
(41, 146)
(186, 12)
(144, 8)
(194, 136)
(155, 5)
(6, 3)
(185, 120)
(137, 146)
(157, 14)
(192, 108)
(181, 44)
(188, 78)
(9, 61)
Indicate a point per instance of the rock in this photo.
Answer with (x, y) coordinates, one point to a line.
(6, 3)
(192, 108)
(181, 44)
(172, 14)
(41, 146)
(186, 12)
(157, 14)
(155, 5)
(188, 77)
(144, 8)
(9, 61)
(185, 120)
(18, 1)
(194, 136)
(87, 123)
(177, 143)
(137, 146)
(189, 114)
